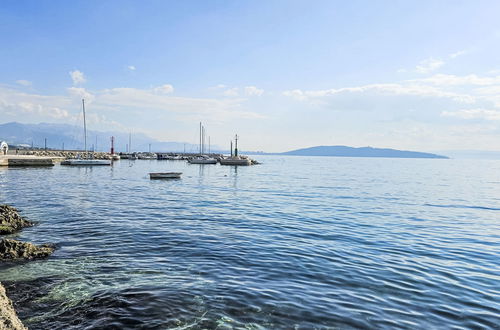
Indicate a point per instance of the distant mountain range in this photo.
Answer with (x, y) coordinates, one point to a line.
(72, 138)
(343, 151)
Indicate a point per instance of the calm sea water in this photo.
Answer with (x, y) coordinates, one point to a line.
(294, 243)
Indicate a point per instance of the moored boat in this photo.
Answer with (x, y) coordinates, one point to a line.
(165, 175)
(86, 162)
(202, 159)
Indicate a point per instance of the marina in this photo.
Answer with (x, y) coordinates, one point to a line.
(249, 165)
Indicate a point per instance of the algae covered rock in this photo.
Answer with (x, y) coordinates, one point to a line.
(14, 250)
(8, 316)
(6, 230)
(11, 221)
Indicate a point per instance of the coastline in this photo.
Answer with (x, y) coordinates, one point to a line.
(8, 315)
(12, 250)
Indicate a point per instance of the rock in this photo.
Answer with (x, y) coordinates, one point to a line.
(8, 316)
(11, 221)
(7, 230)
(14, 250)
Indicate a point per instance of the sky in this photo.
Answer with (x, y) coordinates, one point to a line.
(415, 75)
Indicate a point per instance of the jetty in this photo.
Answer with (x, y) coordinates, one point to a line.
(25, 160)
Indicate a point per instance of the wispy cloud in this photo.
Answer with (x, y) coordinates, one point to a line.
(23, 82)
(429, 65)
(387, 89)
(164, 89)
(131, 67)
(453, 80)
(16, 104)
(486, 114)
(77, 77)
(231, 92)
(253, 91)
(248, 91)
(457, 54)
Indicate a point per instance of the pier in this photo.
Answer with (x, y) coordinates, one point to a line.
(21, 160)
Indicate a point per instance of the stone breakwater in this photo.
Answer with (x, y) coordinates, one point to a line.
(68, 154)
(11, 250)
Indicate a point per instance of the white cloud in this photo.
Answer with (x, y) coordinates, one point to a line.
(164, 89)
(15, 104)
(296, 94)
(429, 65)
(458, 53)
(81, 93)
(486, 114)
(387, 89)
(24, 82)
(77, 77)
(253, 91)
(231, 92)
(138, 99)
(453, 80)
(131, 67)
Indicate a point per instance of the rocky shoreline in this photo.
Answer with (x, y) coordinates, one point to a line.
(68, 154)
(12, 250)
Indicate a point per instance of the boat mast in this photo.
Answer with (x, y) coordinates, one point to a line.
(200, 138)
(130, 142)
(112, 145)
(231, 148)
(236, 146)
(84, 128)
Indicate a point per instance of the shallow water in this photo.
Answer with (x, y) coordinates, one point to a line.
(294, 243)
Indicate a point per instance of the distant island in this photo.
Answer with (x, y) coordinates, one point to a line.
(344, 151)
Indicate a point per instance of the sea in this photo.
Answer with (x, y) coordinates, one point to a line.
(293, 243)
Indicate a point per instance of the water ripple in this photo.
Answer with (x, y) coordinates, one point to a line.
(309, 243)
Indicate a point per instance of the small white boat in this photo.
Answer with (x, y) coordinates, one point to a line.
(115, 157)
(86, 162)
(165, 175)
(202, 160)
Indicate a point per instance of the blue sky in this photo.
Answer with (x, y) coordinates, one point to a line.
(420, 75)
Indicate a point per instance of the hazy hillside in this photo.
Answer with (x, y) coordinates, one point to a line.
(72, 137)
(343, 151)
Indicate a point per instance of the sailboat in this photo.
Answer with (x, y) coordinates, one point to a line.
(202, 158)
(85, 162)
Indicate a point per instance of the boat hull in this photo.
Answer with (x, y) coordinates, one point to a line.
(86, 162)
(202, 161)
(166, 175)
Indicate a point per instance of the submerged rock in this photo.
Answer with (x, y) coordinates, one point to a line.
(8, 316)
(11, 221)
(13, 250)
